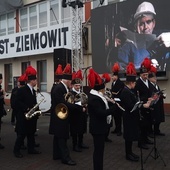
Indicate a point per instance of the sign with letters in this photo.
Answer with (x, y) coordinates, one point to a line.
(38, 41)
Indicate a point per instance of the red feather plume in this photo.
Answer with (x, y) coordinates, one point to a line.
(106, 77)
(115, 68)
(59, 70)
(153, 69)
(91, 78)
(146, 63)
(30, 71)
(67, 69)
(130, 70)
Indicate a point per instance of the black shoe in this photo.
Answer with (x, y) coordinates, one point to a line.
(119, 133)
(148, 142)
(23, 147)
(56, 157)
(34, 152)
(83, 146)
(160, 134)
(36, 145)
(18, 155)
(77, 149)
(108, 140)
(1, 146)
(114, 131)
(131, 158)
(134, 155)
(151, 135)
(70, 162)
(143, 146)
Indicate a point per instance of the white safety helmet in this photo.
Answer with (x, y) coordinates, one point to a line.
(144, 8)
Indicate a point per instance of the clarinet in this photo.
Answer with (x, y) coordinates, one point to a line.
(138, 98)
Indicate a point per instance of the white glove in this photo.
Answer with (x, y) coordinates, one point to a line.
(78, 103)
(109, 119)
(164, 38)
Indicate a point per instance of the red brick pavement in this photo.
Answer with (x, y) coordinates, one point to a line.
(114, 157)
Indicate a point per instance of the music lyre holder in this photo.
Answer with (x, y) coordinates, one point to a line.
(155, 151)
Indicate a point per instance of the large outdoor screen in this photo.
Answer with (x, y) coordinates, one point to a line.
(119, 34)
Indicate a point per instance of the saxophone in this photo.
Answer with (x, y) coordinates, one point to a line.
(32, 112)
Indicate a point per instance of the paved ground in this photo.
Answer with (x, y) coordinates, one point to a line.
(114, 157)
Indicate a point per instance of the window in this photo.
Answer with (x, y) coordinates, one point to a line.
(24, 19)
(65, 14)
(8, 77)
(42, 15)
(42, 75)
(10, 22)
(2, 25)
(54, 12)
(33, 17)
(24, 65)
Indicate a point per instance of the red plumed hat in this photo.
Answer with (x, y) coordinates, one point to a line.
(22, 79)
(130, 72)
(115, 69)
(59, 72)
(152, 72)
(31, 73)
(106, 77)
(77, 77)
(145, 66)
(95, 81)
(67, 72)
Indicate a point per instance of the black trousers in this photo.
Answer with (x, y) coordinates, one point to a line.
(128, 147)
(77, 139)
(60, 149)
(118, 120)
(99, 142)
(20, 140)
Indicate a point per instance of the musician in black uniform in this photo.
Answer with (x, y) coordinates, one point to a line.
(78, 120)
(21, 82)
(130, 119)
(26, 99)
(157, 111)
(1, 106)
(59, 127)
(143, 90)
(116, 87)
(100, 116)
(58, 76)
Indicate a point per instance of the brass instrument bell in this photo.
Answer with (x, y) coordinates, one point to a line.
(61, 111)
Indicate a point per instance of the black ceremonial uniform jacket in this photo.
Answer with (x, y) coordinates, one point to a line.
(144, 93)
(60, 127)
(98, 114)
(130, 119)
(25, 100)
(158, 108)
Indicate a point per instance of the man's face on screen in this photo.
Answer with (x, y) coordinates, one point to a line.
(145, 25)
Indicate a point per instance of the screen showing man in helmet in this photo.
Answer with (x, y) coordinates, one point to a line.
(129, 31)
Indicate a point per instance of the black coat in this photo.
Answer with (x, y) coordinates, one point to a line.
(78, 120)
(98, 114)
(157, 111)
(60, 127)
(143, 92)
(2, 109)
(13, 98)
(130, 119)
(25, 100)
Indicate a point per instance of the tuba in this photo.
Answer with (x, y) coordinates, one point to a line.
(61, 111)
